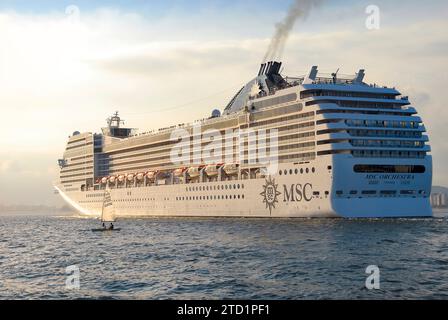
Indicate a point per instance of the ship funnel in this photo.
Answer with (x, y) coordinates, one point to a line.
(359, 76)
(311, 77)
(270, 68)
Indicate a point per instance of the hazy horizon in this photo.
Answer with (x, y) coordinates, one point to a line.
(68, 65)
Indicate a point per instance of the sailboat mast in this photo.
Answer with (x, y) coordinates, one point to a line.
(102, 208)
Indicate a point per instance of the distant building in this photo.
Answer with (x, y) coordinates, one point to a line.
(439, 200)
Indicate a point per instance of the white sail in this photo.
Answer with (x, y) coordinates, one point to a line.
(108, 214)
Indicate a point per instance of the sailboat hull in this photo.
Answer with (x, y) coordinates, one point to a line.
(105, 230)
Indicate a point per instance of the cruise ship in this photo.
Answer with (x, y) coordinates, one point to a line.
(318, 145)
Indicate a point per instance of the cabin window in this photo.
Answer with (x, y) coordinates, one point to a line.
(389, 169)
(388, 192)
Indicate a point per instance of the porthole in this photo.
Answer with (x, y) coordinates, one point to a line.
(290, 171)
(307, 170)
(280, 172)
(285, 172)
(313, 170)
(296, 171)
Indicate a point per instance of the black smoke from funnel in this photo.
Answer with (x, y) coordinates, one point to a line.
(300, 9)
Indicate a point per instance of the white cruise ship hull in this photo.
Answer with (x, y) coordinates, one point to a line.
(296, 195)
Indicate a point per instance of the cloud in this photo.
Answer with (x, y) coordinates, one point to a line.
(167, 58)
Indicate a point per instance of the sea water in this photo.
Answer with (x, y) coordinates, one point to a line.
(41, 257)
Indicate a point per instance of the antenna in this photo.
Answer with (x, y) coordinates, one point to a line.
(115, 120)
(335, 75)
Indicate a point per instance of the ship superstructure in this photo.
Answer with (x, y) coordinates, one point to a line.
(341, 148)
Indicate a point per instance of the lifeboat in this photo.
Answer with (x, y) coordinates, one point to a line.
(179, 172)
(130, 177)
(104, 180)
(140, 176)
(193, 172)
(121, 178)
(151, 175)
(112, 179)
(211, 170)
(230, 169)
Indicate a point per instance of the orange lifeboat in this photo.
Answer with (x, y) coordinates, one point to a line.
(193, 172)
(121, 178)
(130, 177)
(231, 169)
(104, 180)
(179, 172)
(211, 170)
(151, 175)
(112, 179)
(140, 176)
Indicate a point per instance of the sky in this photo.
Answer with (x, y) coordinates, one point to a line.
(67, 65)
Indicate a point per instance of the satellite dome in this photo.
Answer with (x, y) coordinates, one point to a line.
(76, 133)
(216, 113)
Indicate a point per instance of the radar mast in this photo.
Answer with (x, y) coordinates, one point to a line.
(114, 128)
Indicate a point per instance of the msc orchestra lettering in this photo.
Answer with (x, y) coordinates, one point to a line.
(390, 177)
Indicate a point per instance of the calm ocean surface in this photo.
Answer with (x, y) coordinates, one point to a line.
(223, 258)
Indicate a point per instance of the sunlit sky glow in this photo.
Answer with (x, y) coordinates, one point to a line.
(164, 62)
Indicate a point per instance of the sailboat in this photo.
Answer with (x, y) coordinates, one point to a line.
(107, 214)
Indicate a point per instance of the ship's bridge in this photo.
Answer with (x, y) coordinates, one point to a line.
(114, 128)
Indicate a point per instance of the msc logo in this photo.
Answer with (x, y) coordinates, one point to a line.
(292, 193)
(270, 194)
